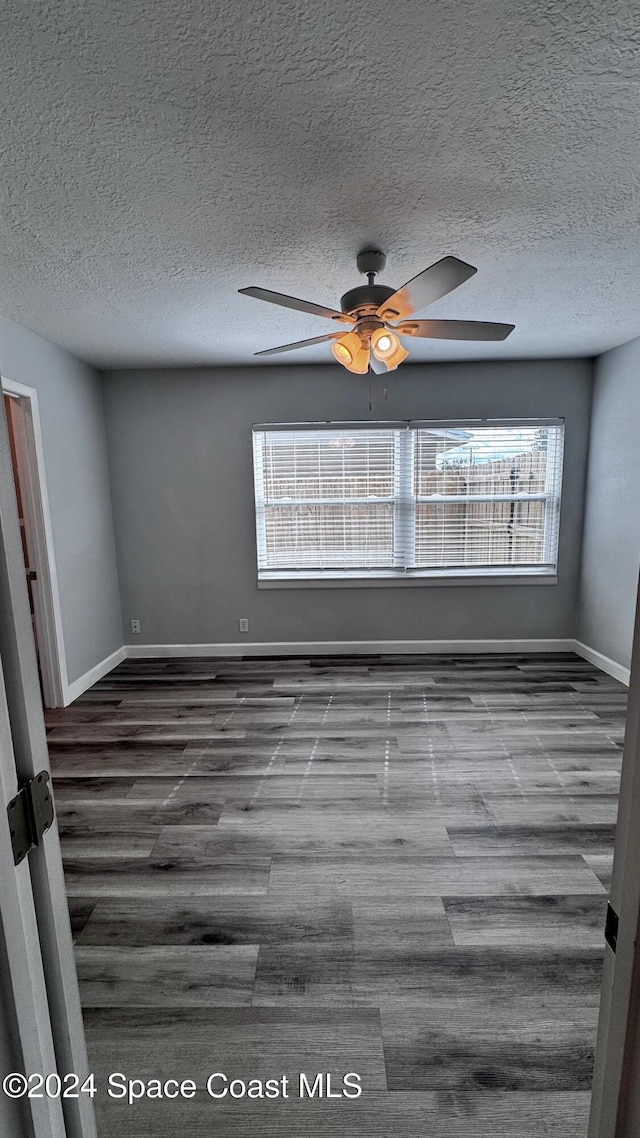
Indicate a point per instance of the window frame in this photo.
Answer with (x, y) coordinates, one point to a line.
(405, 502)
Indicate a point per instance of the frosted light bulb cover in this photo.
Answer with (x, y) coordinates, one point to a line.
(350, 351)
(388, 349)
(343, 353)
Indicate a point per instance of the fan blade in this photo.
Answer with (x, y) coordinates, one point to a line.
(294, 302)
(454, 329)
(430, 285)
(300, 344)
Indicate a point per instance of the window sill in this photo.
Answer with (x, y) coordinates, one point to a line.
(450, 580)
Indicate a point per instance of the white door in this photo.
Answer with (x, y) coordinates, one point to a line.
(37, 969)
(615, 1105)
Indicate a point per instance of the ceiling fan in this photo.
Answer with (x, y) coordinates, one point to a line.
(371, 310)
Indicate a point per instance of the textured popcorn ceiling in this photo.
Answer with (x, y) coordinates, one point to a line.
(157, 155)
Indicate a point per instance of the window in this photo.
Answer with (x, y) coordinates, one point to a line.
(408, 500)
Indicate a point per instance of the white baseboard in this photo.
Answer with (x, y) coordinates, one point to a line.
(346, 647)
(605, 663)
(73, 690)
(341, 648)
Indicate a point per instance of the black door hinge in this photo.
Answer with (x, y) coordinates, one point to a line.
(30, 815)
(611, 928)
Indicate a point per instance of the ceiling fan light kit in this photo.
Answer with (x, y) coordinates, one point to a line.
(352, 353)
(387, 348)
(372, 310)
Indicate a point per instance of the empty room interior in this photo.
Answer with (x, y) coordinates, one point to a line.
(320, 354)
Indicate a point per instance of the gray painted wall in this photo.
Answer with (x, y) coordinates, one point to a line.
(611, 552)
(71, 413)
(182, 491)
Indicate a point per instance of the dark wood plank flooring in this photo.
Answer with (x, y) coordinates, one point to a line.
(393, 865)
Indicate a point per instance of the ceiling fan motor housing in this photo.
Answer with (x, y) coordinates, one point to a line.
(369, 296)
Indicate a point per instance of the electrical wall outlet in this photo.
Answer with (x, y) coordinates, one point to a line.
(244, 624)
(135, 626)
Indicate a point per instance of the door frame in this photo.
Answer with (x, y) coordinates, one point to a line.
(35, 501)
(50, 933)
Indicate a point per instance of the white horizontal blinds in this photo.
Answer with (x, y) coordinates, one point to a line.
(425, 498)
(325, 499)
(487, 497)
